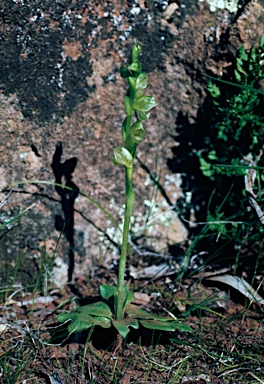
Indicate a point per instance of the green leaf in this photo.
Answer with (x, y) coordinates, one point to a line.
(124, 130)
(222, 136)
(212, 155)
(77, 325)
(240, 68)
(124, 72)
(206, 168)
(242, 53)
(253, 54)
(87, 316)
(183, 327)
(238, 76)
(261, 41)
(96, 309)
(158, 325)
(144, 103)
(165, 325)
(107, 291)
(122, 326)
(128, 106)
(130, 297)
(213, 89)
(122, 157)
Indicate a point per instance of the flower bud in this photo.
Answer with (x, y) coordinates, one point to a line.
(144, 103)
(137, 132)
(135, 66)
(135, 52)
(122, 157)
(141, 81)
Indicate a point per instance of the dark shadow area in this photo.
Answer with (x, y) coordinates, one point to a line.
(106, 339)
(63, 172)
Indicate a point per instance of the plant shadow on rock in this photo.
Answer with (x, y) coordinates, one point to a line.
(218, 200)
(68, 195)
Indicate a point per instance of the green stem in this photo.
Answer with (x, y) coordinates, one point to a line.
(130, 198)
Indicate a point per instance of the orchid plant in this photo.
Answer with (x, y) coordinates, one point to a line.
(116, 307)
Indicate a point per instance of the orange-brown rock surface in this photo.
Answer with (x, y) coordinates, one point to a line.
(59, 79)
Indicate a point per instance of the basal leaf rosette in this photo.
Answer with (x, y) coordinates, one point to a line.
(100, 314)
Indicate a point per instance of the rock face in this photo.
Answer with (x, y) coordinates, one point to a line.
(60, 83)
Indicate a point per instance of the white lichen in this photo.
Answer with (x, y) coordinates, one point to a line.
(230, 5)
(156, 214)
(135, 11)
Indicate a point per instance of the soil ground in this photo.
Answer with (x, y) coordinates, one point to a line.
(225, 347)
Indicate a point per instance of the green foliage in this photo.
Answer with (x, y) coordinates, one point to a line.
(238, 120)
(235, 141)
(116, 309)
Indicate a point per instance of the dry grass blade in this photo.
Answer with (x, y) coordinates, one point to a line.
(241, 285)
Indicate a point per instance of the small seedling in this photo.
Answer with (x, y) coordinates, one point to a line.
(116, 307)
